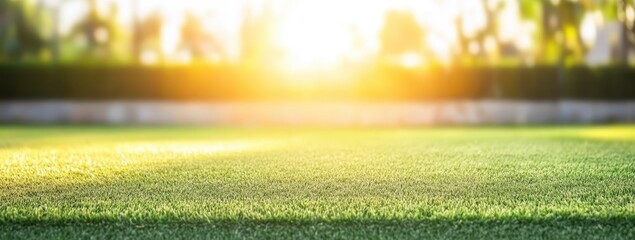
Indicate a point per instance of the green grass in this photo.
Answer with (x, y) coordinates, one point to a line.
(145, 182)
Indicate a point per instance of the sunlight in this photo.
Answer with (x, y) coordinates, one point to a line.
(609, 133)
(411, 60)
(180, 148)
(589, 27)
(89, 159)
(309, 40)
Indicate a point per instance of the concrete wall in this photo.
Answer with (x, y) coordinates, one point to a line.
(336, 114)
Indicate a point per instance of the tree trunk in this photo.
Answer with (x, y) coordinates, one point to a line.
(624, 41)
(136, 32)
(55, 39)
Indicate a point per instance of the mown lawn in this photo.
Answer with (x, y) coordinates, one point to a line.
(160, 182)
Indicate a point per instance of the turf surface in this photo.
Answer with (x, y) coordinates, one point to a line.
(143, 182)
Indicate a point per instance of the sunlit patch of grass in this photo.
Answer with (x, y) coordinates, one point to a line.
(77, 163)
(302, 183)
(610, 133)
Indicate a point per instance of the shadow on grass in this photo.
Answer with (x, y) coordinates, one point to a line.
(614, 228)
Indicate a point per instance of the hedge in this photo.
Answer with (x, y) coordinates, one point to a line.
(227, 83)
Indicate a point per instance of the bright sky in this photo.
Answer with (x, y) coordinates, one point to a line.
(317, 33)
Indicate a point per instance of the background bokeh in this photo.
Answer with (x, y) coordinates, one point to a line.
(303, 34)
(551, 55)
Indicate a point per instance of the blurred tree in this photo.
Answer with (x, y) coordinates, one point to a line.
(401, 34)
(147, 34)
(561, 28)
(485, 38)
(626, 15)
(18, 32)
(136, 31)
(462, 40)
(258, 43)
(148, 37)
(196, 41)
(6, 21)
(55, 40)
(488, 36)
(97, 32)
(116, 39)
(571, 15)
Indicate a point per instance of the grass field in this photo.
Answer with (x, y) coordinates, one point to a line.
(144, 182)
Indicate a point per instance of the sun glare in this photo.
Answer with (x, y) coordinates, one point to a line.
(320, 34)
(309, 39)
